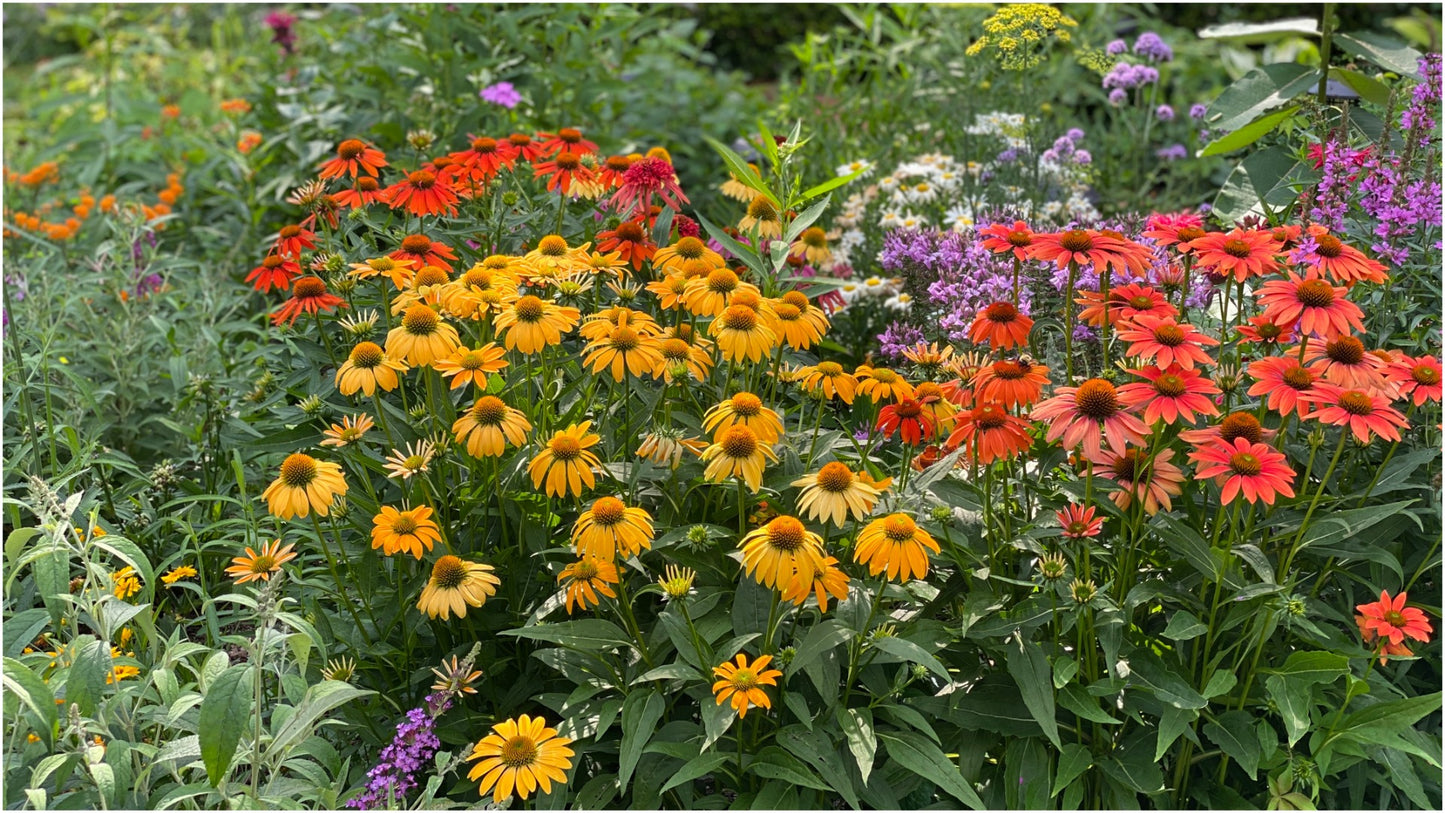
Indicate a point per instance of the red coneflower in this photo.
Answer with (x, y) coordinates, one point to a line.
(483, 159)
(643, 179)
(1417, 378)
(563, 171)
(909, 418)
(612, 169)
(1316, 305)
(308, 296)
(1004, 239)
(1365, 413)
(293, 239)
(988, 433)
(353, 157)
(364, 192)
(1286, 384)
(631, 242)
(1239, 253)
(1078, 522)
(1343, 360)
(1171, 394)
(274, 271)
(1262, 330)
(1255, 470)
(1090, 414)
(1390, 620)
(422, 251)
(526, 149)
(1090, 247)
(423, 193)
(1001, 325)
(1165, 341)
(565, 140)
(1125, 303)
(1344, 264)
(1011, 382)
(1139, 478)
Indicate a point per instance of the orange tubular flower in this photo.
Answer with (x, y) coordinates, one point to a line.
(353, 157)
(1138, 478)
(1001, 325)
(1255, 470)
(1171, 394)
(1003, 239)
(1365, 413)
(631, 242)
(423, 194)
(1010, 382)
(1090, 414)
(988, 433)
(1240, 253)
(274, 271)
(1344, 264)
(743, 683)
(309, 296)
(1166, 342)
(1318, 306)
(563, 172)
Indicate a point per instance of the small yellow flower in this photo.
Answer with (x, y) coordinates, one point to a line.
(125, 582)
(175, 575)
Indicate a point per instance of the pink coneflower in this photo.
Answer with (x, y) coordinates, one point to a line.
(1140, 479)
(1344, 264)
(1286, 384)
(1165, 341)
(1175, 230)
(1125, 302)
(1078, 522)
(1089, 247)
(1171, 394)
(643, 179)
(1262, 330)
(1365, 413)
(1090, 414)
(1417, 378)
(1253, 470)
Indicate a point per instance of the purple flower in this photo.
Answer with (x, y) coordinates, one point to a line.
(501, 93)
(1117, 96)
(399, 763)
(1008, 156)
(1198, 111)
(1116, 47)
(1173, 152)
(898, 337)
(1151, 47)
(1083, 158)
(1075, 134)
(1164, 113)
(282, 31)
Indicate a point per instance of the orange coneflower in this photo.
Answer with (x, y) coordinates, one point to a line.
(611, 527)
(422, 193)
(1011, 382)
(423, 251)
(293, 239)
(601, 324)
(489, 425)
(1254, 470)
(1417, 378)
(742, 334)
(1090, 414)
(1241, 253)
(304, 484)
(882, 384)
(1171, 394)
(1366, 414)
(483, 159)
(364, 192)
(1001, 238)
(1125, 302)
(763, 216)
(907, 417)
(737, 451)
(777, 552)
(1344, 264)
(936, 404)
(676, 356)
(811, 245)
(456, 584)
(988, 433)
(612, 168)
(896, 544)
(1089, 247)
(274, 271)
(1263, 330)
(1390, 621)
(744, 409)
(1165, 341)
(743, 683)
(831, 379)
(1140, 478)
(353, 157)
(827, 580)
(527, 324)
(308, 296)
(366, 368)
(422, 337)
(1316, 305)
(587, 578)
(1078, 522)
(1342, 360)
(563, 172)
(623, 351)
(520, 755)
(1001, 325)
(566, 140)
(631, 242)
(1286, 383)
(410, 531)
(261, 565)
(398, 271)
(567, 464)
(669, 291)
(711, 294)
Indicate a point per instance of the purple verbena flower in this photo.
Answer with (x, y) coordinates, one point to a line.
(501, 93)
(1151, 47)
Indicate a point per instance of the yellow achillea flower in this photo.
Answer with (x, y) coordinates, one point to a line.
(411, 531)
(833, 493)
(468, 366)
(126, 583)
(530, 323)
(586, 578)
(567, 465)
(743, 682)
(831, 379)
(742, 334)
(175, 575)
(744, 409)
(456, 584)
(261, 565)
(489, 426)
(304, 485)
(737, 451)
(610, 526)
(520, 755)
(422, 337)
(896, 544)
(777, 552)
(367, 368)
(826, 581)
(1018, 31)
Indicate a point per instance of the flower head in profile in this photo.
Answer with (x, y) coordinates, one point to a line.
(351, 430)
(828, 580)
(1154, 480)
(305, 484)
(830, 379)
(676, 582)
(489, 426)
(738, 451)
(353, 157)
(1001, 326)
(261, 565)
(988, 433)
(1001, 238)
(309, 295)
(1365, 413)
(1010, 382)
(456, 584)
(743, 681)
(414, 460)
(176, 574)
(521, 756)
(275, 271)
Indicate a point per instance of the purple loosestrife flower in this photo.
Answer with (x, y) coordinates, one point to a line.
(501, 93)
(1333, 190)
(410, 750)
(898, 337)
(283, 32)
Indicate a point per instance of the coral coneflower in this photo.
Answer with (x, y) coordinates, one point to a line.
(587, 579)
(743, 682)
(1166, 341)
(1171, 395)
(1365, 413)
(456, 584)
(780, 550)
(1001, 325)
(631, 242)
(1417, 378)
(744, 409)
(1089, 247)
(1286, 384)
(1001, 238)
(521, 755)
(564, 172)
(988, 433)
(275, 271)
(1234, 426)
(422, 337)
(738, 451)
(834, 493)
(410, 531)
(364, 192)
(530, 324)
(1342, 263)
(829, 378)
(1254, 470)
(741, 334)
(261, 565)
(304, 484)
(1125, 302)
(1391, 621)
(1078, 522)
(1317, 306)
(483, 159)
(367, 368)
(308, 296)
(1010, 382)
(1140, 478)
(1261, 330)
(489, 425)
(1174, 230)
(1090, 414)
(353, 157)
(1241, 253)
(422, 193)
(565, 140)
(1343, 360)
(611, 527)
(897, 545)
(422, 251)
(567, 465)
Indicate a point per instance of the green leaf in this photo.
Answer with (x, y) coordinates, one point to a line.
(821, 638)
(857, 725)
(1183, 626)
(1075, 699)
(819, 753)
(1186, 541)
(913, 653)
(1292, 698)
(831, 184)
(696, 767)
(1387, 52)
(25, 686)
(803, 221)
(1265, 180)
(775, 763)
(319, 699)
(225, 715)
(1074, 759)
(1234, 733)
(1134, 766)
(1031, 671)
(1172, 723)
(640, 713)
(1370, 89)
(1339, 526)
(1249, 133)
(85, 685)
(1256, 93)
(744, 173)
(1385, 719)
(745, 255)
(1313, 667)
(24, 627)
(922, 757)
(1169, 687)
(585, 634)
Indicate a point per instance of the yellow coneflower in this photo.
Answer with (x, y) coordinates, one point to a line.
(261, 565)
(665, 447)
(398, 271)
(455, 677)
(600, 324)
(882, 384)
(422, 337)
(586, 578)
(530, 323)
(827, 580)
(351, 430)
(410, 531)
(737, 451)
(454, 585)
(688, 257)
(831, 379)
(429, 286)
(741, 334)
(833, 493)
(126, 583)
(609, 263)
(737, 190)
(176, 574)
(467, 366)
(763, 216)
(554, 258)
(812, 245)
(414, 460)
(676, 582)
(896, 544)
(489, 426)
(710, 295)
(304, 485)
(610, 526)
(799, 323)
(678, 358)
(624, 351)
(775, 552)
(669, 291)
(567, 465)
(743, 682)
(744, 409)
(367, 368)
(522, 755)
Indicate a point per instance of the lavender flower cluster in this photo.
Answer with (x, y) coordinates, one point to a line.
(1148, 45)
(397, 766)
(957, 276)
